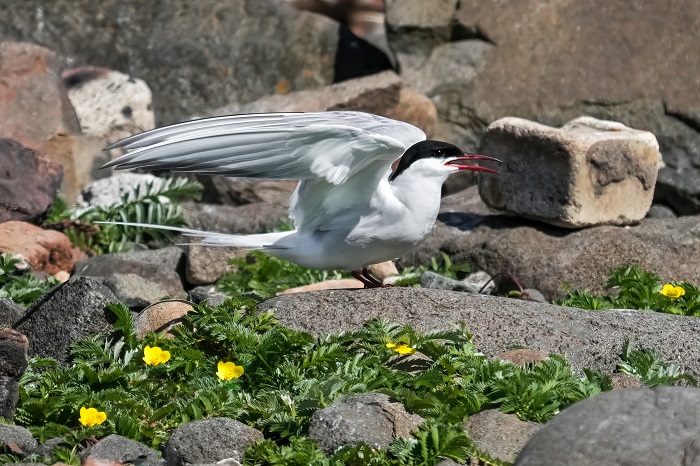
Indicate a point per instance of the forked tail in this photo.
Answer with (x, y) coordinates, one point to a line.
(210, 238)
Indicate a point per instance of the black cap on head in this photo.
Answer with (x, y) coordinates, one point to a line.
(425, 149)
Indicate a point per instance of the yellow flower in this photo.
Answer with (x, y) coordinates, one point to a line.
(228, 370)
(401, 348)
(91, 417)
(673, 292)
(154, 356)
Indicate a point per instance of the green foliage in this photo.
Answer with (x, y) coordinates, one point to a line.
(288, 375)
(638, 289)
(21, 286)
(261, 276)
(146, 203)
(647, 366)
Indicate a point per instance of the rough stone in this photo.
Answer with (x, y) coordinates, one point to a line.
(119, 449)
(110, 105)
(216, 46)
(13, 362)
(9, 312)
(28, 183)
(369, 417)
(641, 427)
(160, 317)
(62, 316)
(500, 435)
(587, 173)
(19, 436)
(208, 441)
(34, 105)
(111, 191)
(621, 381)
(208, 295)
(135, 291)
(46, 250)
(162, 266)
(588, 339)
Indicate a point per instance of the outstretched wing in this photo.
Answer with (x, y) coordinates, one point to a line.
(329, 145)
(325, 150)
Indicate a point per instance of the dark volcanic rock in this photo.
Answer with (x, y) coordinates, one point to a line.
(643, 427)
(194, 55)
(10, 311)
(69, 312)
(28, 183)
(591, 339)
(209, 440)
(13, 362)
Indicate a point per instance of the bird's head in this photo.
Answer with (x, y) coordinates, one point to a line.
(436, 159)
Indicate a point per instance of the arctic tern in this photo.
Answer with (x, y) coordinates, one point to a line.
(350, 210)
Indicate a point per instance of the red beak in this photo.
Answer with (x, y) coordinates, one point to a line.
(470, 157)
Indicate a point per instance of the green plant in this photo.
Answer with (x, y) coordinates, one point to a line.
(647, 366)
(154, 203)
(637, 288)
(21, 286)
(261, 276)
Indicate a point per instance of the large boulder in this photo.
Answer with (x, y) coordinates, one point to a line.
(589, 339)
(196, 56)
(642, 427)
(117, 449)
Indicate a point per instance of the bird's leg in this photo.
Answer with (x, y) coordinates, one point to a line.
(367, 279)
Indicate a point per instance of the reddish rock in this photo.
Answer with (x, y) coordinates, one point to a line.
(28, 182)
(523, 356)
(341, 284)
(47, 250)
(160, 317)
(34, 105)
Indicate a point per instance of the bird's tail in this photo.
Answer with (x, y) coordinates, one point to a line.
(210, 238)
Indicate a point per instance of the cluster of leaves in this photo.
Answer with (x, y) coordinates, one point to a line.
(260, 276)
(154, 203)
(637, 288)
(20, 285)
(288, 375)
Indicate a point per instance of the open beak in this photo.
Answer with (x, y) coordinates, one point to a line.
(470, 157)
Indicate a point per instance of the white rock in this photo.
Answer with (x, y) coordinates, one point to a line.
(110, 191)
(588, 172)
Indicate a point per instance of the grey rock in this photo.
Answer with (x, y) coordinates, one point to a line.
(19, 436)
(47, 448)
(72, 310)
(122, 450)
(10, 311)
(531, 294)
(29, 182)
(589, 339)
(545, 257)
(588, 172)
(660, 211)
(209, 441)
(110, 191)
(369, 417)
(165, 266)
(134, 290)
(639, 426)
(13, 362)
(216, 46)
(207, 294)
(9, 396)
(500, 435)
(477, 282)
(621, 381)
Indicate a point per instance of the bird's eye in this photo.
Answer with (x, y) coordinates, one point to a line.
(440, 152)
